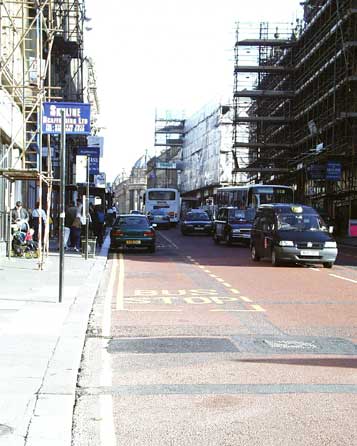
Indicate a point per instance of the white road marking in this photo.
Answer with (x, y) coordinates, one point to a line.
(343, 278)
(120, 293)
(107, 430)
(169, 241)
(314, 269)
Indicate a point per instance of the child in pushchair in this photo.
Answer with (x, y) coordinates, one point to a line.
(22, 243)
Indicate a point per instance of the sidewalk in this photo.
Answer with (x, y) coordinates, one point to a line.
(346, 241)
(41, 345)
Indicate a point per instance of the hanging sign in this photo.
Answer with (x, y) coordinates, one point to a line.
(81, 169)
(93, 154)
(77, 117)
(333, 171)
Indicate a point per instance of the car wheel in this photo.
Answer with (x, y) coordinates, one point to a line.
(328, 264)
(274, 260)
(254, 255)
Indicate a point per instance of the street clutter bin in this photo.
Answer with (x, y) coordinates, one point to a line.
(92, 242)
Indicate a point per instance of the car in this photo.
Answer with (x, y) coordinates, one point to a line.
(196, 222)
(292, 233)
(135, 211)
(160, 218)
(132, 231)
(233, 225)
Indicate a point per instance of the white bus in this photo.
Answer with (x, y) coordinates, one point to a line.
(253, 195)
(163, 198)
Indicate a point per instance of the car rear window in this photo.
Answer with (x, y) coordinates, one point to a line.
(140, 222)
(197, 216)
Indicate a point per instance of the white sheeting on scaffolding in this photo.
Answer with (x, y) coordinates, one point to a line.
(207, 150)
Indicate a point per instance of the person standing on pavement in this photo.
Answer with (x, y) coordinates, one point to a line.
(38, 214)
(70, 215)
(99, 219)
(20, 216)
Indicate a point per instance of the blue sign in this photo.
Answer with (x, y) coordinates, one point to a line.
(77, 118)
(93, 154)
(333, 171)
(316, 172)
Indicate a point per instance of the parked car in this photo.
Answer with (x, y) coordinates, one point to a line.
(233, 225)
(196, 222)
(160, 218)
(132, 231)
(292, 233)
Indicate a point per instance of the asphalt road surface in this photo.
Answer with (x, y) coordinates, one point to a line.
(198, 345)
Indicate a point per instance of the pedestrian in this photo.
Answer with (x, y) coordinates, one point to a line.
(70, 215)
(20, 216)
(99, 219)
(37, 216)
(75, 233)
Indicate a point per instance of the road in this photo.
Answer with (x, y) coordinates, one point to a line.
(198, 345)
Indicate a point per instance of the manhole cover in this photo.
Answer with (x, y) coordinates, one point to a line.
(294, 344)
(172, 345)
(5, 430)
(290, 345)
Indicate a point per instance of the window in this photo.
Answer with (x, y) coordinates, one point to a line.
(162, 195)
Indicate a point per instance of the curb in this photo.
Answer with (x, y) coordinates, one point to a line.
(51, 419)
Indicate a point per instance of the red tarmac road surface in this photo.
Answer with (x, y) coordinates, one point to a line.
(219, 350)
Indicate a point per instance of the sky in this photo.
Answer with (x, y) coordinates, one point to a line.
(158, 55)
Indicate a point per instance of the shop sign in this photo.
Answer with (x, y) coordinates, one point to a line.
(352, 228)
(77, 118)
(165, 165)
(93, 154)
(316, 172)
(333, 171)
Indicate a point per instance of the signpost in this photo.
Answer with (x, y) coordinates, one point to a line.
(65, 118)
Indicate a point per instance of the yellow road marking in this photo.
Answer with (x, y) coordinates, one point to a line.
(213, 275)
(207, 271)
(258, 308)
(246, 299)
(152, 311)
(200, 266)
(120, 292)
(220, 280)
(234, 291)
(227, 285)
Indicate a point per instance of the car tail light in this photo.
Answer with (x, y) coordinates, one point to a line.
(118, 233)
(149, 234)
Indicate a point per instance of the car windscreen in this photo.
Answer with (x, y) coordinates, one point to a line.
(300, 222)
(197, 217)
(241, 215)
(132, 221)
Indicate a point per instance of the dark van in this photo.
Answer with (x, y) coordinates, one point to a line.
(292, 233)
(233, 225)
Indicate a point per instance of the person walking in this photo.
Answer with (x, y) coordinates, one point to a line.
(75, 233)
(38, 215)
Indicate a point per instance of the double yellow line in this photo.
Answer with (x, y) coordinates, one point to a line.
(116, 282)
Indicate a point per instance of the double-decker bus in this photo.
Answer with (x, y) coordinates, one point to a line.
(253, 195)
(163, 198)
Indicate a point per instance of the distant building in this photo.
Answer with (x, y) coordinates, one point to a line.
(128, 192)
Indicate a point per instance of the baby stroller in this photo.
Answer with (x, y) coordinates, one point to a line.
(23, 244)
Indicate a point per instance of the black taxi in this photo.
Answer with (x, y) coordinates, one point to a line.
(292, 233)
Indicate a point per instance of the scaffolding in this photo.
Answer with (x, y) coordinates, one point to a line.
(41, 60)
(298, 112)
